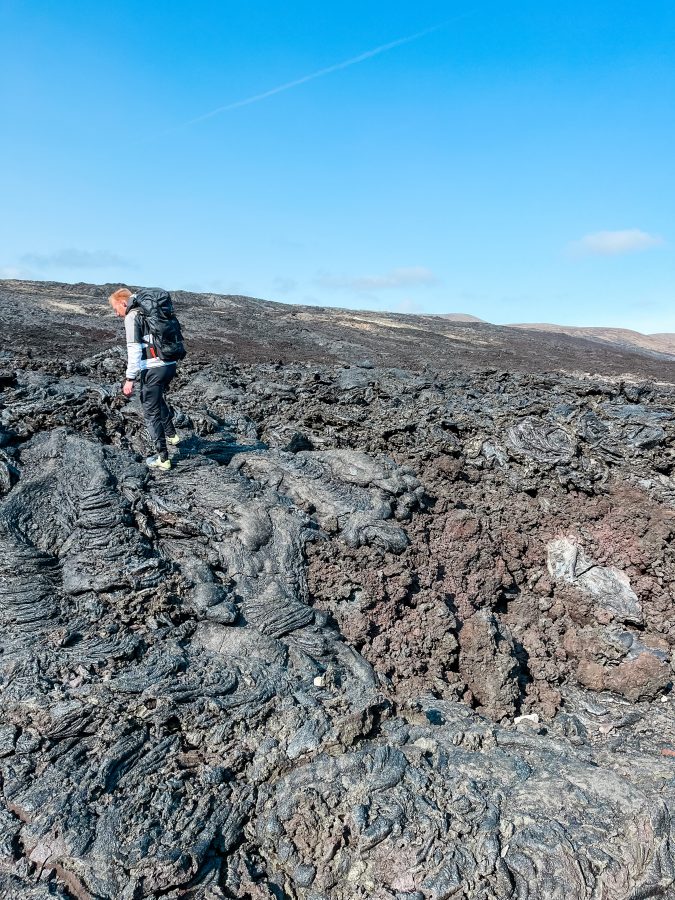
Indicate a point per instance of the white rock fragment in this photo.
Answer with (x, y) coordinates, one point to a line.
(427, 745)
(610, 587)
(527, 717)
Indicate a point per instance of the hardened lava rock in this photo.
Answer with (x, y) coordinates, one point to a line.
(378, 634)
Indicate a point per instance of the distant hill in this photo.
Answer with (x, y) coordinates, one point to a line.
(621, 337)
(460, 317)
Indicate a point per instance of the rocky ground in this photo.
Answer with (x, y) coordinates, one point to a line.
(383, 632)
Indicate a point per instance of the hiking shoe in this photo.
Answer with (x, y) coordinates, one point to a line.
(174, 440)
(156, 462)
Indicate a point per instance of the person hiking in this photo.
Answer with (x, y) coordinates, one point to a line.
(154, 346)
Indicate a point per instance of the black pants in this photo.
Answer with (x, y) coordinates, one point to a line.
(157, 413)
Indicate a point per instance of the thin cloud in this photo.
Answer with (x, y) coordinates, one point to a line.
(615, 243)
(415, 276)
(75, 259)
(410, 306)
(11, 272)
(328, 70)
(214, 286)
(284, 285)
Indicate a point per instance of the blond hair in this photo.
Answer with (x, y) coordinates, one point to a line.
(119, 299)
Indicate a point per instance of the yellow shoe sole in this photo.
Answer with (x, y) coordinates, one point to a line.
(164, 465)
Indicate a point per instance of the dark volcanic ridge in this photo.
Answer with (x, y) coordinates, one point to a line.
(72, 319)
(381, 633)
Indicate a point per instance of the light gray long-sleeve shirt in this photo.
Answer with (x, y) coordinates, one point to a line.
(139, 352)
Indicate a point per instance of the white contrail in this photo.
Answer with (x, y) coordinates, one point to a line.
(318, 74)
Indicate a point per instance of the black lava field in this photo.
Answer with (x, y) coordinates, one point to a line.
(399, 624)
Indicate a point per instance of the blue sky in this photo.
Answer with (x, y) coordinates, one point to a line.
(515, 163)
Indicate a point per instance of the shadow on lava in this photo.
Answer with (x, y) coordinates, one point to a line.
(217, 449)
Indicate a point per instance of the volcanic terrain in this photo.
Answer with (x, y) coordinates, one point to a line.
(399, 623)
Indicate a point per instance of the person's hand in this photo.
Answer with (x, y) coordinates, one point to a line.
(128, 388)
